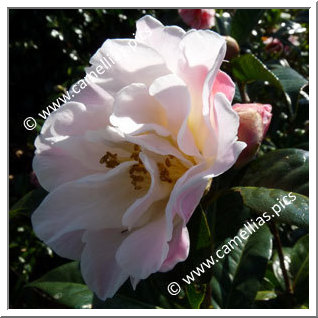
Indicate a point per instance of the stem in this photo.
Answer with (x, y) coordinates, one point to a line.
(281, 257)
(243, 93)
(206, 304)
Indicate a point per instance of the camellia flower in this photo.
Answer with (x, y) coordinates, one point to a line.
(254, 122)
(127, 161)
(198, 18)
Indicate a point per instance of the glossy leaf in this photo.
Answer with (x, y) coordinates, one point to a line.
(237, 277)
(299, 268)
(121, 302)
(248, 68)
(195, 295)
(296, 261)
(265, 295)
(291, 81)
(65, 285)
(286, 169)
(243, 22)
(262, 200)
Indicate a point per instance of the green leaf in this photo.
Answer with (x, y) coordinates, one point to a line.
(265, 295)
(65, 285)
(201, 243)
(286, 169)
(195, 295)
(248, 68)
(277, 268)
(291, 81)
(296, 261)
(237, 277)
(72, 295)
(121, 302)
(262, 200)
(28, 203)
(299, 268)
(243, 22)
(69, 272)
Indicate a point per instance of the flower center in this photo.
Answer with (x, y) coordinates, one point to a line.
(170, 168)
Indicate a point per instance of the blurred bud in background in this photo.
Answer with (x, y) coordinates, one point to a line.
(254, 122)
(34, 180)
(273, 45)
(232, 48)
(198, 18)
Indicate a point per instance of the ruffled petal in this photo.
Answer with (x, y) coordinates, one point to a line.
(178, 248)
(172, 94)
(223, 84)
(124, 65)
(99, 268)
(202, 54)
(144, 250)
(164, 39)
(137, 214)
(134, 107)
(89, 203)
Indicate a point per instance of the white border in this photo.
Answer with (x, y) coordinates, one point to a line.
(158, 312)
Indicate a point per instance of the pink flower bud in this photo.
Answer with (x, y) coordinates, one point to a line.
(198, 18)
(254, 122)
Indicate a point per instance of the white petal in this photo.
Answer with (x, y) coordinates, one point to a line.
(138, 214)
(55, 166)
(165, 40)
(93, 202)
(98, 264)
(134, 107)
(74, 118)
(158, 145)
(144, 250)
(172, 93)
(203, 52)
(125, 64)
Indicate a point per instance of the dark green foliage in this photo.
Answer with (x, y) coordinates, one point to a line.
(49, 50)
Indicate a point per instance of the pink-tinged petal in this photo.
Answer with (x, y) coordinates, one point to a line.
(144, 250)
(125, 65)
(134, 107)
(223, 84)
(69, 245)
(178, 248)
(137, 214)
(190, 188)
(203, 53)
(165, 40)
(172, 93)
(89, 203)
(73, 118)
(225, 122)
(99, 268)
(187, 193)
